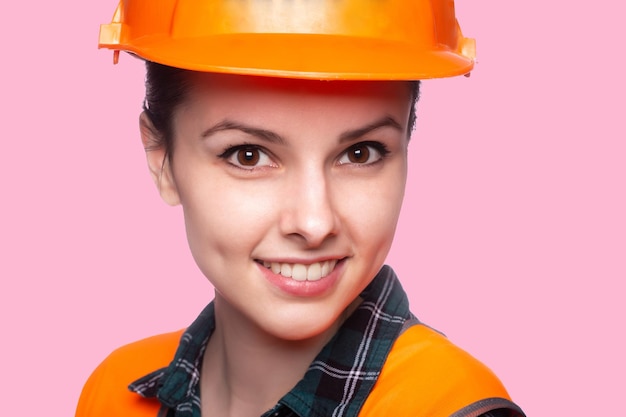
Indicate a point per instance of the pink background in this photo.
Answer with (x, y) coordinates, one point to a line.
(512, 239)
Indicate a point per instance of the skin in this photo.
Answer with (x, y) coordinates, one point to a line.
(283, 171)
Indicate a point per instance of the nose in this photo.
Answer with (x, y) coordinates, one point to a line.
(308, 212)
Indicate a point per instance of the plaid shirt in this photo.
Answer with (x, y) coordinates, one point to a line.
(337, 382)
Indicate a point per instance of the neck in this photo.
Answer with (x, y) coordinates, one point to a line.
(246, 370)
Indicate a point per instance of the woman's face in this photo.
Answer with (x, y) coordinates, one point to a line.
(291, 191)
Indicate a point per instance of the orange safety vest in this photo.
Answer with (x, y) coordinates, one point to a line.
(425, 375)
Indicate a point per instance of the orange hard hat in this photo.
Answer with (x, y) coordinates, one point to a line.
(319, 39)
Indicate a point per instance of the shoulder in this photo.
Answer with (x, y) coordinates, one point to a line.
(106, 394)
(426, 374)
(421, 351)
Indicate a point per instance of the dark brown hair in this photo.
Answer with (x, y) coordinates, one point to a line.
(166, 88)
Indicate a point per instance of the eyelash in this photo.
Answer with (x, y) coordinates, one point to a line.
(379, 147)
(232, 151)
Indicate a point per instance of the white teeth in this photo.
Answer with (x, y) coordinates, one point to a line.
(298, 272)
(325, 269)
(315, 272)
(301, 272)
(285, 270)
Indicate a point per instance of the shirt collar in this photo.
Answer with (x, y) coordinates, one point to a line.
(337, 382)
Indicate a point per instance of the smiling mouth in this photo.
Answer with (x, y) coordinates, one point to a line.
(302, 272)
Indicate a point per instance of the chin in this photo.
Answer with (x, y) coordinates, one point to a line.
(307, 325)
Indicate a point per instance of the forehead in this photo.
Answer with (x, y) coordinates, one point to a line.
(240, 86)
(286, 104)
(291, 106)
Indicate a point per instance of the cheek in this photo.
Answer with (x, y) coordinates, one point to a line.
(371, 208)
(223, 218)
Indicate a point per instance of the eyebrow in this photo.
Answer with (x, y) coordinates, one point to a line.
(274, 137)
(387, 121)
(226, 124)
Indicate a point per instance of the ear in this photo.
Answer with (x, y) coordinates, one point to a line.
(158, 162)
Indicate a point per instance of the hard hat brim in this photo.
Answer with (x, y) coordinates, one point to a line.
(308, 56)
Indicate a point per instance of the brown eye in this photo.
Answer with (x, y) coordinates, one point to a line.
(364, 154)
(359, 154)
(248, 156)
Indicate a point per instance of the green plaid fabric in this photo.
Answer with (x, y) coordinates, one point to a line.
(337, 382)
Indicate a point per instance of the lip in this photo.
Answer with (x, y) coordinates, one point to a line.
(302, 288)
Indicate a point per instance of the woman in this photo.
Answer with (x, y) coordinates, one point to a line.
(282, 127)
